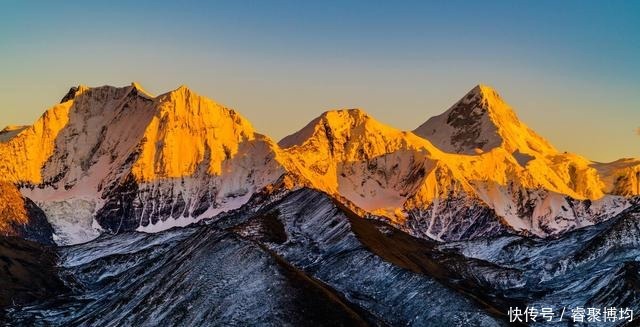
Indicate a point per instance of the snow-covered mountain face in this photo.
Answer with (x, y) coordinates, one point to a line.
(621, 177)
(534, 188)
(349, 154)
(494, 176)
(118, 159)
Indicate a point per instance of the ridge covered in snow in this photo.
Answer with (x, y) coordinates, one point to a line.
(492, 166)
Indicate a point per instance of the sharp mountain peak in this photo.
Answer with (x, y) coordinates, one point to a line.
(353, 112)
(480, 121)
(484, 90)
(182, 89)
(352, 117)
(487, 100)
(344, 125)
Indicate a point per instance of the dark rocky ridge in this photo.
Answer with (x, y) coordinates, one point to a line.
(186, 277)
(301, 258)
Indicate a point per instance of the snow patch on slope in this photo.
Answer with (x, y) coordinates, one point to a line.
(72, 220)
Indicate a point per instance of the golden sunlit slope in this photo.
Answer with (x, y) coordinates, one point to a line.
(483, 122)
(520, 175)
(339, 139)
(65, 143)
(620, 177)
(12, 210)
(24, 153)
(351, 155)
(199, 157)
(188, 131)
(174, 131)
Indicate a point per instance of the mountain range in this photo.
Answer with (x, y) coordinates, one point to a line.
(122, 208)
(111, 159)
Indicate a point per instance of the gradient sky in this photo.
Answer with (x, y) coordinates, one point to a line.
(571, 69)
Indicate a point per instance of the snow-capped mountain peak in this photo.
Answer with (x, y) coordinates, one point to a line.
(481, 121)
(352, 134)
(179, 150)
(351, 155)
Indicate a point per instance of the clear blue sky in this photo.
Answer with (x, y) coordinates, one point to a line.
(570, 68)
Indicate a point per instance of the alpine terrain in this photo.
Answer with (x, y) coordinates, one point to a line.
(121, 208)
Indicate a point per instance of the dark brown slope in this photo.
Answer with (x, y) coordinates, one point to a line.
(28, 273)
